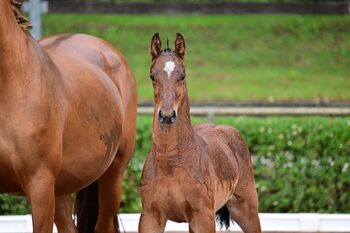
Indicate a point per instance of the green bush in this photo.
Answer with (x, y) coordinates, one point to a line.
(300, 164)
(10, 204)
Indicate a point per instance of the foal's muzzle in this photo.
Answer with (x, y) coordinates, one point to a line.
(167, 118)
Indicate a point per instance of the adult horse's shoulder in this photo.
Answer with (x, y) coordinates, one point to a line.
(54, 40)
(82, 46)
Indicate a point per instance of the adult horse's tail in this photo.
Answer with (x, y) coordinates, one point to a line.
(87, 209)
(223, 217)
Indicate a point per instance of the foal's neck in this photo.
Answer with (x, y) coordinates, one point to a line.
(176, 139)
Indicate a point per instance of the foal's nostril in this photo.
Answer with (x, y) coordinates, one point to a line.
(161, 117)
(173, 117)
(167, 118)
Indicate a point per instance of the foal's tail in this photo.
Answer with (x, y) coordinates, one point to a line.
(87, 208)
(223, 217)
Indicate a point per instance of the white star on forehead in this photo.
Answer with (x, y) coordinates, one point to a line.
(169, 67)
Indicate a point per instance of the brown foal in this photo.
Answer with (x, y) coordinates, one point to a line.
(67, 123)
(192, 172)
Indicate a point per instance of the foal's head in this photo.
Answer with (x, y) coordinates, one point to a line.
(168, 78)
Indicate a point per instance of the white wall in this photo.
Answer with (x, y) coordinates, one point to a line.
(269, 222)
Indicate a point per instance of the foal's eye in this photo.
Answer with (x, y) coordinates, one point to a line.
(183, 76)
(151, 77)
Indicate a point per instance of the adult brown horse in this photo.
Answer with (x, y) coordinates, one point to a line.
(192, 173)
(68, 109)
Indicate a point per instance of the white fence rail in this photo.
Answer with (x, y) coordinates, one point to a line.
(303, 222)
(258, 111)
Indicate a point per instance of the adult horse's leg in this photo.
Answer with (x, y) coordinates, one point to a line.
(40, 191)
(110, 187)
(109, 198)
(63, 214)
(110, 183)
(244, 209)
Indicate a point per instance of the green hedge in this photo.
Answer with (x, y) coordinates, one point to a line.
(301, 164)
(10, 204)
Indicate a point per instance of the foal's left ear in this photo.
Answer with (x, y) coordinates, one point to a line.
(156, 45)
(180, 47)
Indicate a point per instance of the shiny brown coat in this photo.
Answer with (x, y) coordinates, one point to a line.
(68, 109)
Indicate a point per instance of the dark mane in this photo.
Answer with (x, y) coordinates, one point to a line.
(21, 20)
(168, 51)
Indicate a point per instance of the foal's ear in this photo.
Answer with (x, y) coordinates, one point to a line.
(180, 47)
(155, 46)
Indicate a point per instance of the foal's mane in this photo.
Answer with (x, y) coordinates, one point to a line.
(21, 20)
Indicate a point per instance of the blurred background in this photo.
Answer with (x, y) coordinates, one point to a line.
(285, 54)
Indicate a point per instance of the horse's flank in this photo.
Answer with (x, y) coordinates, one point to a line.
(68, 110)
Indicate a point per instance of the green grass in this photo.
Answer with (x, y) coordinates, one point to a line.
(234, 58)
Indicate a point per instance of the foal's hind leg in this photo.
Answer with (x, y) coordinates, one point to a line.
(243, 208)
(151, 222)
(63, 214)
(190, 229)
(203, 221)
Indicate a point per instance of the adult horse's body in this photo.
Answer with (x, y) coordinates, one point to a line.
(192, 172)
(68, 109)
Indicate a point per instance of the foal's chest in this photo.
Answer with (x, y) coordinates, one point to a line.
(176, 198)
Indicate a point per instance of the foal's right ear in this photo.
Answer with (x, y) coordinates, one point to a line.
(155, 46)
(180, 47)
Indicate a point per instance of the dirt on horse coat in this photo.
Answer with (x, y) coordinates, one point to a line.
(192, 172)
(68, 110)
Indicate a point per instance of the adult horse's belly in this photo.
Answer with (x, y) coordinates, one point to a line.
(92, 129)
(88, 151)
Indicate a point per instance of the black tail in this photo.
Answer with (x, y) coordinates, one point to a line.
(87, 208)
(223, 217)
